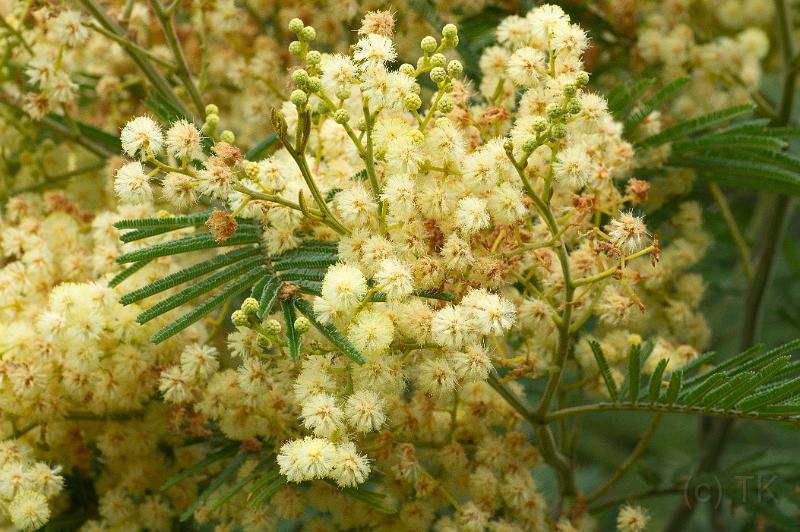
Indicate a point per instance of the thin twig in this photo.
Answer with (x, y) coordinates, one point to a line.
(632, 458)
(167, 22)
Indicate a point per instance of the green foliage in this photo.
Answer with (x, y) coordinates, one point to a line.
(231, 273)
(246, 267)
(267, 296)
(127, 272)
(640, 113)
(214, 485)
(754, 384)
(697, 125)
(107, 141)
(330, 332)
(202, 465)
(261, 147)
(164, 109)
(727, 146)
(230, 290)
(292, 336)
(605, 371)
(623, 97)
(188, 274)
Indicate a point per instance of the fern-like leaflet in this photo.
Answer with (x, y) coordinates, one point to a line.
(755, 384)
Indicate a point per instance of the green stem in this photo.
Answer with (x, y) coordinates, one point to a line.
(626, 465)
(57, 179)
(369, 160)
(733, 229)
(155, 77)
(667, 409)
(16, 33)
(130, 45)
(166, 20)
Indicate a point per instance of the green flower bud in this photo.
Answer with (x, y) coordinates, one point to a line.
(570, 90)
(272, 327)
(539, 124)
(450, 31)
(447, 86)
(240, 319)
(574, 107)
(343, 92)
(341, 116)
(314, 84)
(301, 324)
(308, 34)
(455, 68)
(508, 145)
(212, 120)
(212, 109)
(362, 124)
(438, 75)
(299, 98)
(553, 110)
(558, 131)
(412, 102)
(322, 107)
(445, 105)
(581, 78)
(295, 47)
(300, 77)
(227, 136)
(530, 144)
(428, 44)
(313, 57)
(438, 60)
(296, 25)
(407, 69)
(249, 306)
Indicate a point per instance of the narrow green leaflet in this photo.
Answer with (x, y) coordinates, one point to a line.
(185, 245)
(261, 147)
(194, 219)
(623, 97)
(330, 332)
(127, 272)
(750, 385)
(239, 486)
(634, 372)
(247, 266)
(230, 290)
(214, 485)
(696, 125)
(188, 274)
(654, 388)
(292, 336)
(268, 296)
(200, 466)
(659, 98)
(605, 371)
(266, 494)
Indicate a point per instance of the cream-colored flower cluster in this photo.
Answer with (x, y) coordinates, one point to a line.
(484, 233)
(515, 203)
(71, 357)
